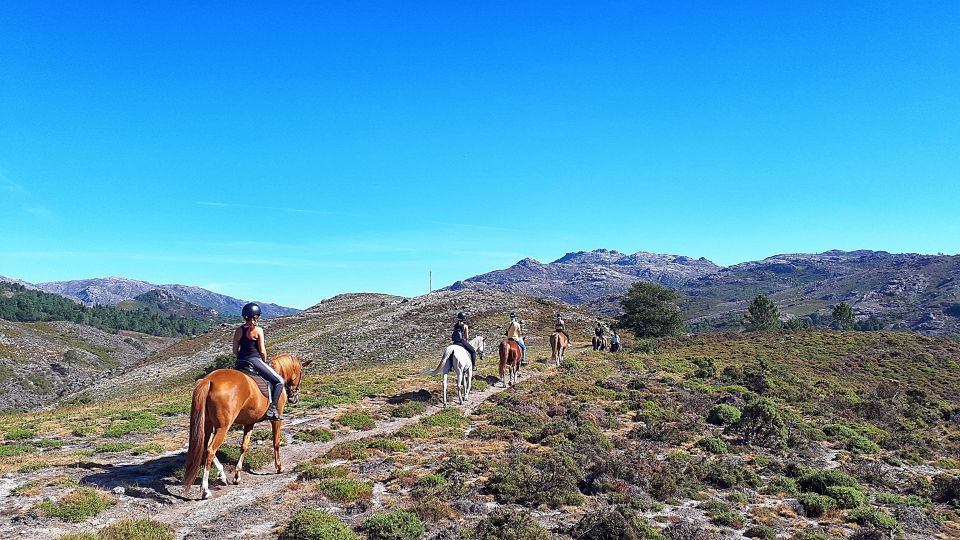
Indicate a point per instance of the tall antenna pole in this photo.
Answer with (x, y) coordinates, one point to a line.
(431, 281)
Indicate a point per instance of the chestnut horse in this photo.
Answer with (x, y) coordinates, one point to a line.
(510, 355)
(558, 344)
(226, 397)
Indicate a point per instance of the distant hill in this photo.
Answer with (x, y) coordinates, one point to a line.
(913, 292)
(162, 301)
(113, 290)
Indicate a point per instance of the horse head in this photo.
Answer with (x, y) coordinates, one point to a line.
(479, 346)
(291, 369)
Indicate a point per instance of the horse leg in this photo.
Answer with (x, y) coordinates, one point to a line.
(216, 440)
(469, 381)
(460, 386)
(445, 375)
(221, 475)
(276, 445)
(244, 446)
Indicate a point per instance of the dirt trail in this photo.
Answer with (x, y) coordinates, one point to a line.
(148, 495)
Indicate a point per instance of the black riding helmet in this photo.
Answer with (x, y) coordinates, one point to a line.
(461, 316)
(251, 310)
(513, 315)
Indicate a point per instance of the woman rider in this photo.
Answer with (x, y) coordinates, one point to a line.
(251, 351)
(461, 337)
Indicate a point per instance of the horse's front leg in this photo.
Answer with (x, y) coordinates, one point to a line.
(244, 447)
(276, 445)
(460, 387)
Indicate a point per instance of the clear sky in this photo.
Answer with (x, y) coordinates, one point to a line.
(290, 151)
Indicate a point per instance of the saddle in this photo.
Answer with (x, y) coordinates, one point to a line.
(262, 383)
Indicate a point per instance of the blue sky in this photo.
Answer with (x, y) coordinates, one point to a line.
(292, 151)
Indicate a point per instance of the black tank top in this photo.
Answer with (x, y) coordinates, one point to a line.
(249, 348)
(457, 332)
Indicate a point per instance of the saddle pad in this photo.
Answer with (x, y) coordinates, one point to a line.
(262, 383)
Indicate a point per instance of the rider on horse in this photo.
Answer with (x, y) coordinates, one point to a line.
(599, 330)
(461, 337)
(562, 328)
(251, 352)
(515, 332)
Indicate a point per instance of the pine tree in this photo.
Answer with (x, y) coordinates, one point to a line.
(762, 315)
(843, 316)
(649, 311)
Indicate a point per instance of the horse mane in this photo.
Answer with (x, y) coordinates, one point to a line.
(284, 365)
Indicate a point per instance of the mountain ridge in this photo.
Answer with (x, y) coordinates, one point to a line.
(908, 291)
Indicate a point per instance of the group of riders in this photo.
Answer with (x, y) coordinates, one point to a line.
(251, 352)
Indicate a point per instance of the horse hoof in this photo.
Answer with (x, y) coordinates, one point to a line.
(206, 495)
(279, 470)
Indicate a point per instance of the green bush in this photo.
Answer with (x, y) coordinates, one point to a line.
(358, 420)
(432, 481)
(317, 525)
(408, 409)
(815, 504)
(872, 517)
(723, 415)
(506, 524)
(724, 474)
(21, 433)
(11, 450)
(782, 485)
(550, 479)
(345, 489)
(314, 435)
(714, 445)
(135, 422)
(894, 499)
(398, 525)
(727, 519)
(760, 531)
(618, 522)
(819, 480)
(136, 529)
(846, 496)
(762, 423)
(111, 447)
(706, 369)
(77, 505)
(311, 471)
(386, 444)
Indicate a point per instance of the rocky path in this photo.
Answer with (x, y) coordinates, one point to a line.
(146, 493)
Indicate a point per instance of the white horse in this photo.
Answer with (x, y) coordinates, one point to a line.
(463, 367)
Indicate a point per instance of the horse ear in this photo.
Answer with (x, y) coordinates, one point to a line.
(306, 363)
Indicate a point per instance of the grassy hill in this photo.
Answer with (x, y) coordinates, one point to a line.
(796, 435)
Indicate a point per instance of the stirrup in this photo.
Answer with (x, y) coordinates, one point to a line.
(273, 413)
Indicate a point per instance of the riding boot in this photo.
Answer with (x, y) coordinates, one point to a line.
(273, 412)
(473, 360)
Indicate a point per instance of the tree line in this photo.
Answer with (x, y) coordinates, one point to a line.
(650, 310)
(20, 304)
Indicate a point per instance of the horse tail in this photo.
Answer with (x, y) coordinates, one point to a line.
(198, 443)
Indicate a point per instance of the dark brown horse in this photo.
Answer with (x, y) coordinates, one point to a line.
(226, 397)
(510, 356)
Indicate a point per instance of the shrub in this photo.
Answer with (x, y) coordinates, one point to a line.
(386, 444)
(617, 522)
(317, 525)
(728, 519)
(761, 531)
(77, 505)
(723, 415)
(345, 489)
(762, 424)
(135, 422)
(408, 409)
(728, 474)
(398, 525)
(111, 447)
(358, 420)
(946, 489)
(706, 369)
(714, 445)
(349, 451)
(846, 496)
(21, 433)
(549, 479)
(872, 517)
(11, 450)
(432, 481)
(78, 536)
(894, 499)
(311, 471)
(819, 480)
(815, 504)
(314, 435)
(136, 529)
(506, 524)
(782, 485)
